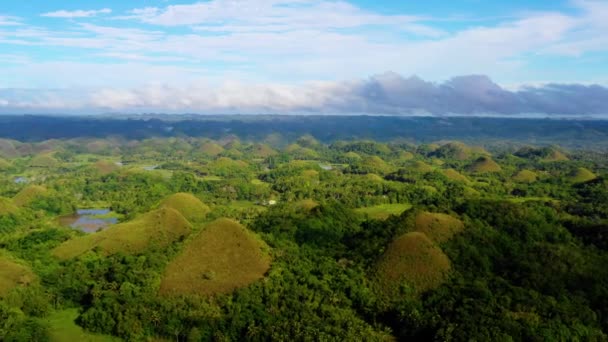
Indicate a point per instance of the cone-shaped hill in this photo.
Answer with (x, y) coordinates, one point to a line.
(484, 165)
(223, 257)
(13, 274)
(525, 176)
(4, 164)
(581, 175)
(155, 229)
(29, 194)
(188, 205)
(437, 227)
(414, 259)
(456, 176)
(7, 207)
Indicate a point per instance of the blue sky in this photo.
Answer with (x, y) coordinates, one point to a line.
(282, 55)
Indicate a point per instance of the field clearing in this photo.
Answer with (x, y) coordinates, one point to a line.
(63, 328)
(383, 211)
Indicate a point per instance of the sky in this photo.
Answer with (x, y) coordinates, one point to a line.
(403, 57)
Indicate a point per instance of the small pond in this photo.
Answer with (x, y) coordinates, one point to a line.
(89, 220)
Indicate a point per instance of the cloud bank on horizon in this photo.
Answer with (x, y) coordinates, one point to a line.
(305, 56)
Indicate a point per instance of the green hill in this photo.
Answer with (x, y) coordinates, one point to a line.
(28, 194)
(525, 176)
(44, 161)
(581, 175)
(420, 166)
(453, 150)
(188, 205)
(223, 257)
(437, 227)
(7, 206)
(13, 274)
(105, 167)
(456, 176)
(414, 259)
(157, 229)
(4, 164)
(211, 149)
(484, 165)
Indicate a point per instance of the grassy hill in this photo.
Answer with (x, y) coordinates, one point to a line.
(420, 166)
(581, 175)
(105, 167)
(453, 150)
(13, 274)
(44, 161)
(456, 176)
(383, 211)
(525, 176)
(7, 206)
(211, 149)
(157, 229)
(437, 227)
(484, 165)
(223, 257)
(28, 194)
(4, 164)
(188, 205)
(414, 259)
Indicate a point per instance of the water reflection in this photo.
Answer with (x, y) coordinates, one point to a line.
(89, 220)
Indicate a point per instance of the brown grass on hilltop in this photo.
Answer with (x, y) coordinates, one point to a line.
(29, 194)
(484, 165)
(438, 227)
(188, 205)
(412, 259)
(13, 274)
(525, 176)
(456, 176)
(223, 257)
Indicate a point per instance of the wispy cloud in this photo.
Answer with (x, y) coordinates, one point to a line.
(9, 20)
(76, 13)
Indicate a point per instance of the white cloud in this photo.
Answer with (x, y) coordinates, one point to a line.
(9, 21)
(76, 13)
(387, 93)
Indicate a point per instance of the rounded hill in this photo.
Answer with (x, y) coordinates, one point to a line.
(484, 165)
(188, 205)
(13, 274)
(29, 194)
(436, 226)
(156, 229)
(223, 257)
(412, 259)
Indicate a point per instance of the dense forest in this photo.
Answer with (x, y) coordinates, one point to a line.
(206, 233)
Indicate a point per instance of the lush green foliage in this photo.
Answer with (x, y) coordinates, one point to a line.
(288, 238)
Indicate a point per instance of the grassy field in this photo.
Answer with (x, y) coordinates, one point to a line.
(224, 256)
(414, 259)
(383, 211)
(438, 227)
(64, 329)
(157, 228)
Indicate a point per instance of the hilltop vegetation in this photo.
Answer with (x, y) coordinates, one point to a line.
(273, 235)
